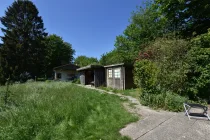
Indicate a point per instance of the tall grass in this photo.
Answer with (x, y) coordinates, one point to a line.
(62, 111)
(128, 92)
(167, 101)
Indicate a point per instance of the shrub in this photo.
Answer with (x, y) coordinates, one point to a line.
(30, 80)
(76, 81)
(170, 57)
(48, 81)
(24, 77)
(168, 101)
(199, 74)
(40, 79)
(145, 75)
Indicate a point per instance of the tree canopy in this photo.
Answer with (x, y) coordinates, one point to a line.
(83, 60)
(58, 52)
(26, 50)
(189, 17)
(22, 49)
(170, 36)
(159, 18)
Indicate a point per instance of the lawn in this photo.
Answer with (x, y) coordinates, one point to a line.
(61, 111)
(128, 92)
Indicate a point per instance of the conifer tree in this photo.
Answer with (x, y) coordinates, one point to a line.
(22, 50)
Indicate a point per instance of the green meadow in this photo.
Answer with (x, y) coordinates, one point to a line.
(60, 111)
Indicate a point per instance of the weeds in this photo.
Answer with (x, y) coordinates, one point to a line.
(61, 110)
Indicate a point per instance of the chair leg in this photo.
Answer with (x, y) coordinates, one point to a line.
(208, 117)
(186, 111)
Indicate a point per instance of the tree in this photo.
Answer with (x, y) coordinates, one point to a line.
(199, 61)
(58, 53)
(111, 57)
(22, 49)
(146, 24)
(189, 17)
(84, 60)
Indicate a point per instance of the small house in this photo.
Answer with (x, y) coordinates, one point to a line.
(66, 72)
(119, 76)
(92, 75)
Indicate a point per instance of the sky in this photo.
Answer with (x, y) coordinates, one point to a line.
(91, 26)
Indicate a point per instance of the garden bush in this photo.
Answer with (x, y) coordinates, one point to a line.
(145, 75)
(199, 74)
(170, 56)
(168, 101)
(41, 79)
(76, 81)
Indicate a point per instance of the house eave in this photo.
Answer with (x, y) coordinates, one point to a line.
(89, 67)
(114, 65)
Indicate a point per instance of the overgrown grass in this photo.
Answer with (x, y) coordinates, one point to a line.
(129, 92)
(167, 101)
(58, 110)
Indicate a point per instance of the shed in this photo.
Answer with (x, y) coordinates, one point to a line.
(92, 75)
(66, 72)
(119, 76)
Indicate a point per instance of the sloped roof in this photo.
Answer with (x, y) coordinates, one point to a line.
(130, 65)
(66, 67)
(114, 65)
(90, 67)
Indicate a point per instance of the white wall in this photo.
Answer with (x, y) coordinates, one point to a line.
(64, 75)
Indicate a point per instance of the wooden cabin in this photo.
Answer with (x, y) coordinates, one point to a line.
(119, 76)
(92, 75)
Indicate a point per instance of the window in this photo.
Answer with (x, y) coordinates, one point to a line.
(109, 73)
(117, 73)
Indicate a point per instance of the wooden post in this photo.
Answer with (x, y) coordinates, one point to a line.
(55, 75)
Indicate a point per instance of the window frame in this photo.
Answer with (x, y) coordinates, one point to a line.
(110, 73)
(117, 75)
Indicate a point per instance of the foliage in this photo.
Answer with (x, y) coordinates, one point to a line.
(61, 110)
(170, 56)
(187, 17)
(145, 75)
(128, 92)
(146, 24)
(168, 101)
(40, 79)
(24, 77)
(2, 74)
(199, 60)
(22, 49)
(76, 81)
(30, 80)
(84, 60)
(183, 67)
(159, 18)
(111, 57)
(58, 53)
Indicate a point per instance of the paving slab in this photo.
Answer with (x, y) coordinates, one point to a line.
(142, 127)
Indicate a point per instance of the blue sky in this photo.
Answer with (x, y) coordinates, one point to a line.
(91, 26)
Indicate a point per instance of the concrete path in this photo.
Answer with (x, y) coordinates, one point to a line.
(162, 125)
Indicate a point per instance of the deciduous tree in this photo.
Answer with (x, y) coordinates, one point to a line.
(58, 53)
(84, 60)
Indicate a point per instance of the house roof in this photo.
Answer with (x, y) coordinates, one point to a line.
(114, 65)
(89, 67)
(66, 67)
